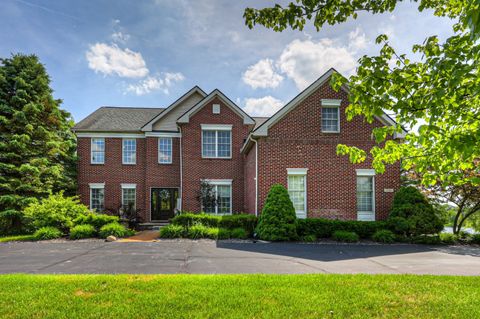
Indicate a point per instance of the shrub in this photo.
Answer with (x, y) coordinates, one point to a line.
(114, 229)
(95, 219)
(197, 231)
(420, 215)
(277, 221)
(187, 219)
(82, 231)
(239, 233)
(45, 233)
(324, 228)
(345, 236)
(245, 221)
(464, 236)
(384, 236)
(475, 239)
(172, 231)
(426, 240)
(55, 211)
(309, 238)
(398, 225)
(212, 232)
(448, 238)
(223, 233)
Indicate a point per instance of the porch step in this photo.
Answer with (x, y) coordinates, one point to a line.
(153, 225)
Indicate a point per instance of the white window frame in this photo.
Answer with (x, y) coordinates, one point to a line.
(216, 108)
(299, 172)
(361, 215)
(129, 186)
(91, 151)
(331, 104)
(171, 150)
(93, 186)
(221, 182)
(123, 151)
(216, 128)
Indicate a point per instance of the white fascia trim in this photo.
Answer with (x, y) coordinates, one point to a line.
(113, 135)
(128, 185)
(96, 185)
(219, 181)
(185, 118)
(162, 134)
(297, 171)
(217, 127)
(331, 102)
(365, 172)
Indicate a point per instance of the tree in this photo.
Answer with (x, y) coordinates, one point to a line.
(440, 92)
(37, 147)
(277, 221)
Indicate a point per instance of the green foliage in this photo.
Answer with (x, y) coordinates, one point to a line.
(188, 219)
(384, 236)
(46, 233)
(114, 229)
(345, 236)
(309, 238)
(398, 225)
(448, 238)
(324, 228)
(415, 209)
(82, 231)
(224, 233)
(172, 231)
(37, 147)
(200, 231)
(277, 221)
(245, 221)
(16, 238)
(426, 240)
(56, 210)
(11, 222)
(95, 219)
(475, 239)
(239, 233)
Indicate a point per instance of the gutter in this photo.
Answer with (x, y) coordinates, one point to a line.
(256, 175)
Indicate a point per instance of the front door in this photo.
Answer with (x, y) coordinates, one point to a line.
(164, 201)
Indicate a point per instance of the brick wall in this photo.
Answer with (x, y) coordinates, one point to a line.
(250, 181)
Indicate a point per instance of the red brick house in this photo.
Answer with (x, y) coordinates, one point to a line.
(156, 158)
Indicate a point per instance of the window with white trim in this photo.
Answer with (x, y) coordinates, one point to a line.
(97, 198)
(129, 147)
(216, 143)
(297, 190)
(365, 196)
(223, 194)
(330, 119)
(165, 150)
(129, 196)
(97, 149)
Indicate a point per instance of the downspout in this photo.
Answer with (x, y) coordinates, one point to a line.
(181, 168)
(256, 175)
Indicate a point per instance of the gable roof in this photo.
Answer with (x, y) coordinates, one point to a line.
(185, 118)
(117, 119)
(195, 90)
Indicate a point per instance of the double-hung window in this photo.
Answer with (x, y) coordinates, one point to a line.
(97, 148)
(297, 190)
(331, 116)
(165, 150)
(129, 196)
(97, 196)
(216, 141)
(129, 153)
(365, 194)
(223, 198)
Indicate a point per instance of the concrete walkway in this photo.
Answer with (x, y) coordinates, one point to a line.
(210, 257)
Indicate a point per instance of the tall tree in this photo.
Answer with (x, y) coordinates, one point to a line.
(440, 93)
(37, 147)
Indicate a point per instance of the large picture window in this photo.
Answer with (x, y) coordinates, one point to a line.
(297, 190)
(165, 150)
(129, 151)
(216, 143)
(97, 151)
(223, 198)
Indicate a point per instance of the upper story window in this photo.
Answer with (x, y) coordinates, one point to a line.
(165, 150)
(97, 155)
(129, 154)
(216, 141)
(331, 116)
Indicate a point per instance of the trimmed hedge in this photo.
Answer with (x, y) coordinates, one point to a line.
(245, 221)
(96, 220)
(384, 236)
(324, 228)
(200, 231)
(345, 236)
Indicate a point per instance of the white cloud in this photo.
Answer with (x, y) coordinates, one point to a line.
(262, 75)
(264, 106)
(120, 37)
(156, 83)
(110, 59)
(305, 61)
(358, 40)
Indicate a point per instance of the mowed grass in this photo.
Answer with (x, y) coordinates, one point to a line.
(16, 238)
(238, 296)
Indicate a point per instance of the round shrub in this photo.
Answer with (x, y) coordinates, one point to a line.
(448, 238)
(95, 219)
(345, 236)
(277, 221)
(82, 231)
(46, 233)
(239, 233)
(384, 236)
(114, 229)
(172, 231)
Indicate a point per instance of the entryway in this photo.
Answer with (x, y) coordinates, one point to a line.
(163, 203)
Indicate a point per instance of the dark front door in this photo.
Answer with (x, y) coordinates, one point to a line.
(164, 201)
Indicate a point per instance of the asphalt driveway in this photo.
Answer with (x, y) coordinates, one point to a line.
(210, 257)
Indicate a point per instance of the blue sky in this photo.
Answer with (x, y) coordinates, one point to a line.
(149, 52)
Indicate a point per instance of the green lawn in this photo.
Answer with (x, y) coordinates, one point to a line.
(238, 296)
(16, 238)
